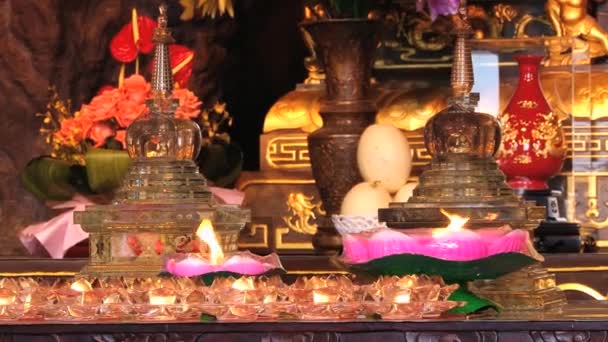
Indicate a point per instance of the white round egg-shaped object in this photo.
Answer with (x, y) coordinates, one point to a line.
(384, 155)
(405, 193)
(365, 199)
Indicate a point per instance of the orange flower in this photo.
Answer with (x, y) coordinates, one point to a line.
(127, 111)
(134, 92)
(124, 104)
(121, 136)
(99, 132)
(189, 104)
(136, 89)
(102, 106)
(72, 131)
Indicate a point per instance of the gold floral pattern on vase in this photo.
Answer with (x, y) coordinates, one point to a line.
(547, 137)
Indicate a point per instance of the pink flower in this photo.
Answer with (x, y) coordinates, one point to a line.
(438, 7)
(189, 104)
(99, 132)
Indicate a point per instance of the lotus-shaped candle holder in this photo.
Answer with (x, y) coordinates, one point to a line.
(456, 254)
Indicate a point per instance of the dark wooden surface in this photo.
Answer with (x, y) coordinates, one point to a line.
(568, 327)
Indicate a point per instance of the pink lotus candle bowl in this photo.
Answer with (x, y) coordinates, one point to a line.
(211, 259)
(453, 243)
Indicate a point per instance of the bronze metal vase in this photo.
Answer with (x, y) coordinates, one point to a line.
(346, 48)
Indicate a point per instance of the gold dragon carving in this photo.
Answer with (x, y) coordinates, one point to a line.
(303, 213)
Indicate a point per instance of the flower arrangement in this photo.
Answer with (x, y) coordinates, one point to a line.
(103, 122)
(88, 145)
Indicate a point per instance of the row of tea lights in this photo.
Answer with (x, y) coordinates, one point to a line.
(242, 299)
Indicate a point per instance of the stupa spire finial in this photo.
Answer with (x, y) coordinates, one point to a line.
(462, 65)
(162, 79)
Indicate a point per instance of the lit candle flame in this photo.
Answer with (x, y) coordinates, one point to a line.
(457, 223)
(270, 298)
(7, 297)
(206, 234)
(161, 296)
(491, 216)
(243, 284)
(81, 285)
(403, 297)
(319, 297)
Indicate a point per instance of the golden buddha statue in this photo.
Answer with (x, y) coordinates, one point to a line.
(570, 19)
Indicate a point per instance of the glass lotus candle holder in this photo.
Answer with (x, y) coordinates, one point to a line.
(333, 297)
(409, 297)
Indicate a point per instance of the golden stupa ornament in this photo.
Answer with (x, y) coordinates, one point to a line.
(163, 198)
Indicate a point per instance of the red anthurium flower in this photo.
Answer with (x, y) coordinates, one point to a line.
(133, 38)
(181, 64)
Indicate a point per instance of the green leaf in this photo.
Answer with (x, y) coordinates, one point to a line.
(221, 163)
(205, 317)
(473, 302)
(106, 168)
(452, 271)
(48, 179)
(78, 179)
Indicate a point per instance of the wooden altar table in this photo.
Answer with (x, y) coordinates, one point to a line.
(584, 321)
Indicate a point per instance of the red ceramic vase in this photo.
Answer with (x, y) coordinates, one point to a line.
(533, 147)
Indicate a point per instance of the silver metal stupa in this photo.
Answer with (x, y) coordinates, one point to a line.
(163, 197)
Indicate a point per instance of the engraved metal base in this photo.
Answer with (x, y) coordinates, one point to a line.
(531, 289)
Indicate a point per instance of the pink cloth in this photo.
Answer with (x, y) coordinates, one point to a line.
(57, 235)
(228, 196)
